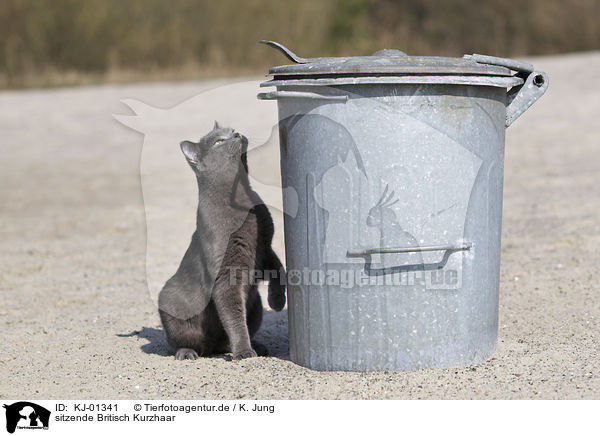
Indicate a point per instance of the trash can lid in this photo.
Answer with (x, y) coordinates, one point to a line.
(393, 62)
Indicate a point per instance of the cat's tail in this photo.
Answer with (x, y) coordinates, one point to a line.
(277, 280)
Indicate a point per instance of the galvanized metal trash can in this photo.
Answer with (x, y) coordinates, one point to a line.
(393, 257)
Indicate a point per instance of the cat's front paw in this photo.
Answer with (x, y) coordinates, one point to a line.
(276, 301)
(244, 354)
(186, 353)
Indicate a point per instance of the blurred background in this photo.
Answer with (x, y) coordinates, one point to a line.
(74, 42)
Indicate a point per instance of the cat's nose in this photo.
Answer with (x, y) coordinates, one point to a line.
(236, 135)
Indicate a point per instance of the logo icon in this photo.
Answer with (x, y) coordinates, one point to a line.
(26, 415)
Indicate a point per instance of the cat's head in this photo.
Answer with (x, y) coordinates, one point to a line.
(221, 150)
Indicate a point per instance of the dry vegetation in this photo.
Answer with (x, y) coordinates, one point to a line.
(61, 42)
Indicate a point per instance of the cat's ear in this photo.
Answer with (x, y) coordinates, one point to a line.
(216, 126)
(191, 153)
(189, 150)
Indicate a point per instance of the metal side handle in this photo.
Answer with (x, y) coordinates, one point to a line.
(275, 95)
(519, 98)
(447, 249)
(370, 251)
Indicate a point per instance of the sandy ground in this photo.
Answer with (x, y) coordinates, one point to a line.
(76, 317)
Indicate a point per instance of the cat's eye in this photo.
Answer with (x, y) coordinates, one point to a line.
(219, 141)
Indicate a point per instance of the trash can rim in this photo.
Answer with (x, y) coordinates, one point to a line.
(495, 81)
(390, 65)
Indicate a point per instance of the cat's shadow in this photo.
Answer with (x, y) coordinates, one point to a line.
(273, 334)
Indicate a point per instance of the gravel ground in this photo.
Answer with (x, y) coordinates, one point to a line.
(77, 320)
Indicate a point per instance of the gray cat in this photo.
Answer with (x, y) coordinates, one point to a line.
(211, 305)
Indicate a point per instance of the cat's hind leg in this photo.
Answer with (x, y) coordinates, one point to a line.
(184, 336)
(186, 353)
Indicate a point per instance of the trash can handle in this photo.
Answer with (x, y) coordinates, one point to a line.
(288, 53)
(512, 64)
(521, 97)
(447, 249)
(274, 95)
